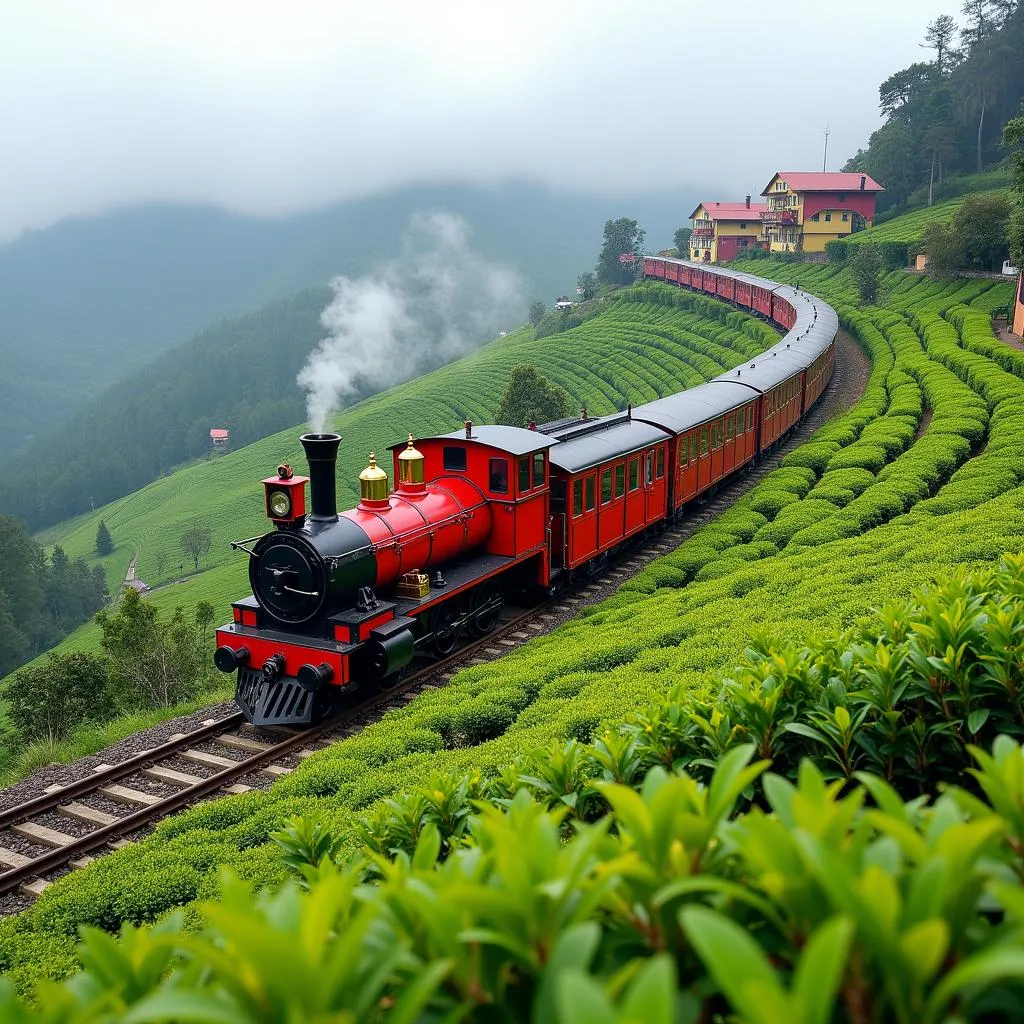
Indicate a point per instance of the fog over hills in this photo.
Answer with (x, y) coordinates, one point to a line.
(87, 301)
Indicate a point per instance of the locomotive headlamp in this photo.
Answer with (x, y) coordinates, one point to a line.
(280, 504)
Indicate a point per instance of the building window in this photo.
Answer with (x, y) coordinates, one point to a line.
(828, 216)
(524, 474)
(455, 459)
(538, 469)
(498, 476)
(743, 225)
(846, 216)
(842, 197)
(816, 216)
(577, 497)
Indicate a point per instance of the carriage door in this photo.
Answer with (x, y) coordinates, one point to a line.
(557, 533)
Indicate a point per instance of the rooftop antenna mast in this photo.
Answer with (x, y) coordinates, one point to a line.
(824, 155)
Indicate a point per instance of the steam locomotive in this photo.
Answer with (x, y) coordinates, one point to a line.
(346, 601)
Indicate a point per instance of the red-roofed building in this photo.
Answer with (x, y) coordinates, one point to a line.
(806, 209)
(219, 437)
(721, 231)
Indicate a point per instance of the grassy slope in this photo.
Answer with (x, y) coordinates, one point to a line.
(225, 494)
(909, 227)
(659, 629)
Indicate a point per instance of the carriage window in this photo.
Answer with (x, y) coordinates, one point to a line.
(590, 494)
(620, 481)
(634, 474)
(524, 474)
(684, 448)
(716, 437)
(693, 447)
(728, 428)
(577, 497)
(538, 469)
(497, 477)
(606, 486)
(455, 459)
(703, 441)
(661, 463)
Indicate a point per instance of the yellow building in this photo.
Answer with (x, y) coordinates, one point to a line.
(806, 209)
(721, 231)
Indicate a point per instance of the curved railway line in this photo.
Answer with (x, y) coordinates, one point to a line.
(65, 827)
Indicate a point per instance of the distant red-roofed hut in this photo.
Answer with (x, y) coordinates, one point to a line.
(219, 437)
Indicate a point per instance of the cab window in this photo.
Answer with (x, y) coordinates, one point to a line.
(524, 474)
(620, 481)
(538, 469)
(606, 486)
(577, 497)
(590, 502)
(497, 476)
(454, 459)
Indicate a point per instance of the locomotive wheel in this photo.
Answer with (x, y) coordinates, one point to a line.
(487, 605)
(446, 631)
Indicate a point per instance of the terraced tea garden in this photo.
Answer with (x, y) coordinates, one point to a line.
(630, 352)
(753, 637)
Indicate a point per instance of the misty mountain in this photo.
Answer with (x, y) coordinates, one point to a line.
(88, 301)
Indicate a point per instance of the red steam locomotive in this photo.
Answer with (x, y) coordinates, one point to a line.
(341, 601)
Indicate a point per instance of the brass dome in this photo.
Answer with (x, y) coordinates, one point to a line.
(373, 482)
(410, 465)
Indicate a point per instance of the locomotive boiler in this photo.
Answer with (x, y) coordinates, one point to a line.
(320, 618)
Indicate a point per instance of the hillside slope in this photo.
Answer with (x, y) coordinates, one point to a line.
(923, 476)
(630, 352)
(89, 300)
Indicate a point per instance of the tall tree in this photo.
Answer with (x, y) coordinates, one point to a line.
(681, 240)
(1013, 140)
(864, 266)
(196, 542)
(620, 236)
(897, 92)
(586, 286)
(104, 542)
(939, 36)
(537, 311)
(531, 398)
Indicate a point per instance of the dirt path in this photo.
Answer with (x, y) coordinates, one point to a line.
(1004, 334)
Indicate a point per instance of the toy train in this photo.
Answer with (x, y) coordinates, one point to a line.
(345, 601)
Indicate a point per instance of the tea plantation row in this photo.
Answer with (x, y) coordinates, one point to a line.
(658, 874)
(655, 636)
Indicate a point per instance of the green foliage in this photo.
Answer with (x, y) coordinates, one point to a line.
(865, 265)
(196, 542)
(537, 311)
(104, 542)
(49, 701)
(681, 241)
(154, 663)
(41, 600)
(586, 286)
(620, 236)
(824, 905)
(531, 398)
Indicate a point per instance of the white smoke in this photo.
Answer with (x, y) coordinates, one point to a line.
(438, 301)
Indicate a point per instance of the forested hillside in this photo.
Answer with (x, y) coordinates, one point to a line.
(946, 115)
(88, 301)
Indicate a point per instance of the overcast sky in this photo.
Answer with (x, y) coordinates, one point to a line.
(273, 107)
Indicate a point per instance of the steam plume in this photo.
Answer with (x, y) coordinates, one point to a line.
(438, 301)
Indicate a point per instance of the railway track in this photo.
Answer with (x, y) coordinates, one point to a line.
(68, 825)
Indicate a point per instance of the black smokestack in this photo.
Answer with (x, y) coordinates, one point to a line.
(322, 456)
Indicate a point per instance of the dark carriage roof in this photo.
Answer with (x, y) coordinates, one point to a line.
(514, 440)
(676, 413)
(587, 443)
